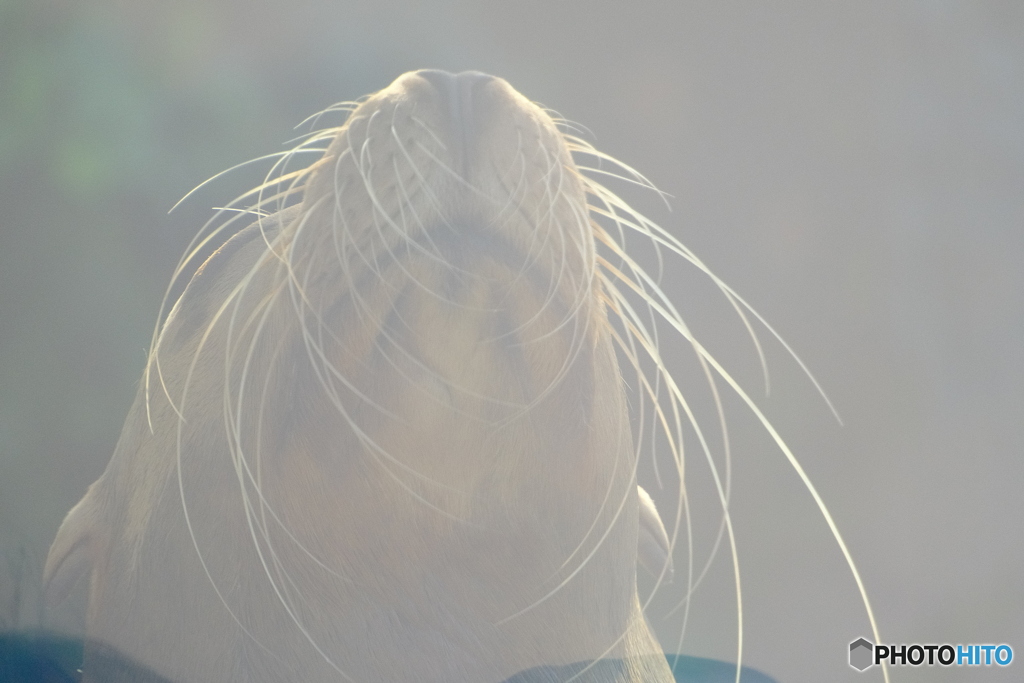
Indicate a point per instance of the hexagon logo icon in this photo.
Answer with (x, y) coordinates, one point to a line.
(861, 654)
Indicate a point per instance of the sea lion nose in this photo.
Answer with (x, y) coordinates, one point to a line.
(449, 83)
(456, 91)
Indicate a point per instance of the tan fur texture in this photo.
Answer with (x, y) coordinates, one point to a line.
(383, 434)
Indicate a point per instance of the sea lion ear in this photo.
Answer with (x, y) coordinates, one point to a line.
(653, 550)
(71, 554)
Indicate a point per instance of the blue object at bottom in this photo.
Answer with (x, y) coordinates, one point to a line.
(46, 658)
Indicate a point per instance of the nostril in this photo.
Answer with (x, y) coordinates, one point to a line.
(446, 86)
(441, 80)
(470, 91)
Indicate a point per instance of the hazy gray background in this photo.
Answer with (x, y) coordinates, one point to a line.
(856, 170)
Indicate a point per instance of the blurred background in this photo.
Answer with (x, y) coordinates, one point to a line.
(855, 170)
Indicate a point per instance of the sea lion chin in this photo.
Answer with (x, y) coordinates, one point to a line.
(383, 433)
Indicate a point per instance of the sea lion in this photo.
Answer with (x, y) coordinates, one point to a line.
(383, 433)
